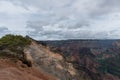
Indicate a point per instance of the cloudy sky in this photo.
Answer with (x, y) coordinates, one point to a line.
(61, 19)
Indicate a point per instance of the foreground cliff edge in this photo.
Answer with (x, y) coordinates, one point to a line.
(22, 58)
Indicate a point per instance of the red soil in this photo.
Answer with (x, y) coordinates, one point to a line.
(15, 70)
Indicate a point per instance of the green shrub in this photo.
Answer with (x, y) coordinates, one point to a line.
(13, 41)
(13, 45)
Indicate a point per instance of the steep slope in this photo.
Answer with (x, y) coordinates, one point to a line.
(15, 70)
(14, 64)
(26, 59)
(94, 59)
(51, 63)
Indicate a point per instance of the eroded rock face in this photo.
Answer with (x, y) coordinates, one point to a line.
(51, 63)
(94, 59)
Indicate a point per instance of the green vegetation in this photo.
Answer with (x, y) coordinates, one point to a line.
(12, 41)
(110, 65)
(12, 46)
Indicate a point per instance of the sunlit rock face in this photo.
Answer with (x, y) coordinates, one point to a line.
(51, 63)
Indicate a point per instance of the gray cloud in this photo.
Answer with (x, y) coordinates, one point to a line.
(68, 19)
(3, 31)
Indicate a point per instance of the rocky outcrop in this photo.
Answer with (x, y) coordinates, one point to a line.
(51, 63)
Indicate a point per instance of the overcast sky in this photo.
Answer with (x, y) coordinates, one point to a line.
(61, 19)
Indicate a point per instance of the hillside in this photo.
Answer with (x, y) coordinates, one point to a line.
(12, 62)
(11, 69)
(22, 58)
(33, 61)
(96, 59)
